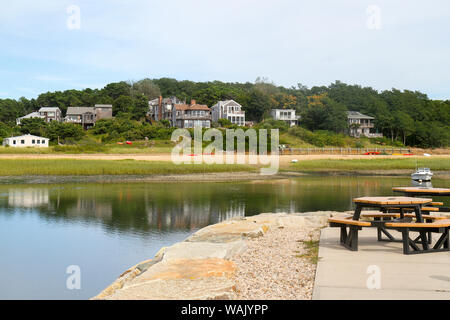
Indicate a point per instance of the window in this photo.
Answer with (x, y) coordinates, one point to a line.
(14, 141)
(43, 141)
(38, 142)
(33, 141)
(22, 141)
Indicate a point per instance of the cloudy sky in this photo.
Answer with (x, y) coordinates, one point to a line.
(47, 46)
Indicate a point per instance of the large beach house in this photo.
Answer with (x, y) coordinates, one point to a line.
(286, 115)
(230, 110)
(191, 115)
(179, 114)
(87, 116)
(160, 109)
(47, 113)
(361, 125)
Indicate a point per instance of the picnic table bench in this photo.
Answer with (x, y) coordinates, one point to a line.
(402, 222)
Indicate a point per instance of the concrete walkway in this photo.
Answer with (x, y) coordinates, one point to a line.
(348, 275)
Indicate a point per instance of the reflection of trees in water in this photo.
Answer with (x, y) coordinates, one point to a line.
(129, 207)
(186, 206)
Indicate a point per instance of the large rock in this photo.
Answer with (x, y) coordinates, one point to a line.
(201, 250)
(229, 231)
(179, 279)
(213, 288)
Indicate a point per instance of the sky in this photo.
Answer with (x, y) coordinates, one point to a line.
(52, 45)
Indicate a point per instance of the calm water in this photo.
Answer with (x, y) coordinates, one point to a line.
(106, 228)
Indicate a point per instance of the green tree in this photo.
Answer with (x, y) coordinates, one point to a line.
(123, 104)
(33, 126)
(146, 88)
(64, 132)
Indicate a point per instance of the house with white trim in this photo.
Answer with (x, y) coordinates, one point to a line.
(361, 125)
(286, 115)
(230, 110)
(51, 114)
(27, 140)
(29, 116)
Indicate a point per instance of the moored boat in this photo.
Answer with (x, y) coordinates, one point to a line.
(422, 174)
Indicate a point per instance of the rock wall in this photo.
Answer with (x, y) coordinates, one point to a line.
(200, 268)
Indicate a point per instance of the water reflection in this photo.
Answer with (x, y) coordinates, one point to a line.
(423, 184)
(27, 197)
(142, 207)
(106, 228)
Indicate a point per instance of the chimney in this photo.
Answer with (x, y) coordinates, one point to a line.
(193, 102)
(160, 108)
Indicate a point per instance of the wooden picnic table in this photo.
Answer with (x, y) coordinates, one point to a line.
(401, 223)
(422, 191)
(391, 202)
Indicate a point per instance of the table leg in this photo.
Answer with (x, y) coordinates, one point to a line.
(357, 213)
(418, 212)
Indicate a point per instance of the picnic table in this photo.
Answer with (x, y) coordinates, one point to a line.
(402, 222)
(427, 192)
(422, 191)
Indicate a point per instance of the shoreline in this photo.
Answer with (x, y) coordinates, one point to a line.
(199, 177)
(213, 263)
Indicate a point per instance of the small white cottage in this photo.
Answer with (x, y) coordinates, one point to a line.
(26, 141)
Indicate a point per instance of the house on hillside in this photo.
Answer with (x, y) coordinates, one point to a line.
(192, 115)
(29, 116)
(50, 114)
(161, 109)
(103, 111)
(230, 110)
(26, 141)
(361, 125)
(87, 116)
(286, 115)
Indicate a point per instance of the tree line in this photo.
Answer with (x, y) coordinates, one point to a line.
(409, 117)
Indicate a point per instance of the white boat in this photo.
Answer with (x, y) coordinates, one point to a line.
(422, 174)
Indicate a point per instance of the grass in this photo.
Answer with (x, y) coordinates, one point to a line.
(436, 164)
(16, 167)
(158, 146)
(312, 251)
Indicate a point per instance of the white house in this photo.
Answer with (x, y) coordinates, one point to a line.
(26, 141)
(362, 125)
(29, 116)
(50, 114)
(230, 110)
(286, 115)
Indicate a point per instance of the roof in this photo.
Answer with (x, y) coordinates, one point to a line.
(358, 115)
(283, 110)
(192, 107)
(32, 115)
(48, 109)
(103, 106)
(27, 135)
(79, 110)
(170, 100)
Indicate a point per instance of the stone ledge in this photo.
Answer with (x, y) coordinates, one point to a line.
(200, 267)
